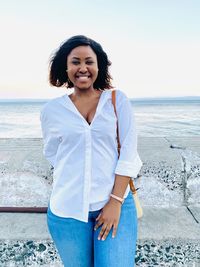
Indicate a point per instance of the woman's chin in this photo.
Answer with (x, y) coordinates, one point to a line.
(83, 86)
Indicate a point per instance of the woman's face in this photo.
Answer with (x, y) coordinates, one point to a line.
(82, 67)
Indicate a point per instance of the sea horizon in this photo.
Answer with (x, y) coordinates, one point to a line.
(168, 98)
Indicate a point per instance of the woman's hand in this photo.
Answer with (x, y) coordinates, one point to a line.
(109, 216)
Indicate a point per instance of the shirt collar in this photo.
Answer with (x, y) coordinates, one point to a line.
(66, 101)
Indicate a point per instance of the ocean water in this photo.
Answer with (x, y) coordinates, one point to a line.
(168, 118)
(153, 118)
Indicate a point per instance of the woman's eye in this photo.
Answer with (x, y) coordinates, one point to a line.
(75, 62)
(89, 62)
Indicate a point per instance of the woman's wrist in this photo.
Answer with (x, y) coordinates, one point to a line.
(115, 202)
(116, 198)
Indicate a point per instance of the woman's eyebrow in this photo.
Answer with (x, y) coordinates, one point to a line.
(75, 58)
(79, 58)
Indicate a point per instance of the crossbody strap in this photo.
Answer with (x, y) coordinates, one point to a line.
(132, 187)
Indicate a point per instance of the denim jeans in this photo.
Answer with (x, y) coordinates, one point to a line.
(77, 242)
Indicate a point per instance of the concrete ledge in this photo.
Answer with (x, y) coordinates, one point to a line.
(168, 223)
(166, 234)
(156, 224)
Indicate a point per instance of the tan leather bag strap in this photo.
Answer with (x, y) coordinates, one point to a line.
(132, 187)
(114, 104)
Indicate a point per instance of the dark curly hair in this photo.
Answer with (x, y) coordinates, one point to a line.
(57, 74)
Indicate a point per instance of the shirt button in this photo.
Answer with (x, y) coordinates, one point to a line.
(60, 139)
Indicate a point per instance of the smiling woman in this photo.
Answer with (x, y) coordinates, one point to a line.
(82, 67)
(91, 198)
(58, 63)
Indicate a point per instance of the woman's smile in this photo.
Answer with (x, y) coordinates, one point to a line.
(83, 78)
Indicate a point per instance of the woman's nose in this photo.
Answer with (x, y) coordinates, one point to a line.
(83, 68)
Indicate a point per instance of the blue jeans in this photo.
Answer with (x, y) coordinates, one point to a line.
(77, 242)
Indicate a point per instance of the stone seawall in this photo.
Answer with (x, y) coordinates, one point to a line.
(169, 232)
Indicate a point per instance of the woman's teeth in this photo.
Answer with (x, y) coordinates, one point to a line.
(83, 78)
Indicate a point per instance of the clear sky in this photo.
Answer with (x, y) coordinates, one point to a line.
(154, 45)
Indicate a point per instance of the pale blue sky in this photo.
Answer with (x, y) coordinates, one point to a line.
(154, 45)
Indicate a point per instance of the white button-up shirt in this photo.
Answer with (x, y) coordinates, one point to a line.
(85, 157)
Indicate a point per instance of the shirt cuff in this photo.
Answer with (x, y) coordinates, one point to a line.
(127, 168)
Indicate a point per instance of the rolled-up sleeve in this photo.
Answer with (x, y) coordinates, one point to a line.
(50, 140)
(129, 162)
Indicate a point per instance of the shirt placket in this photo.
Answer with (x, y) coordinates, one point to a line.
(87, 173)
